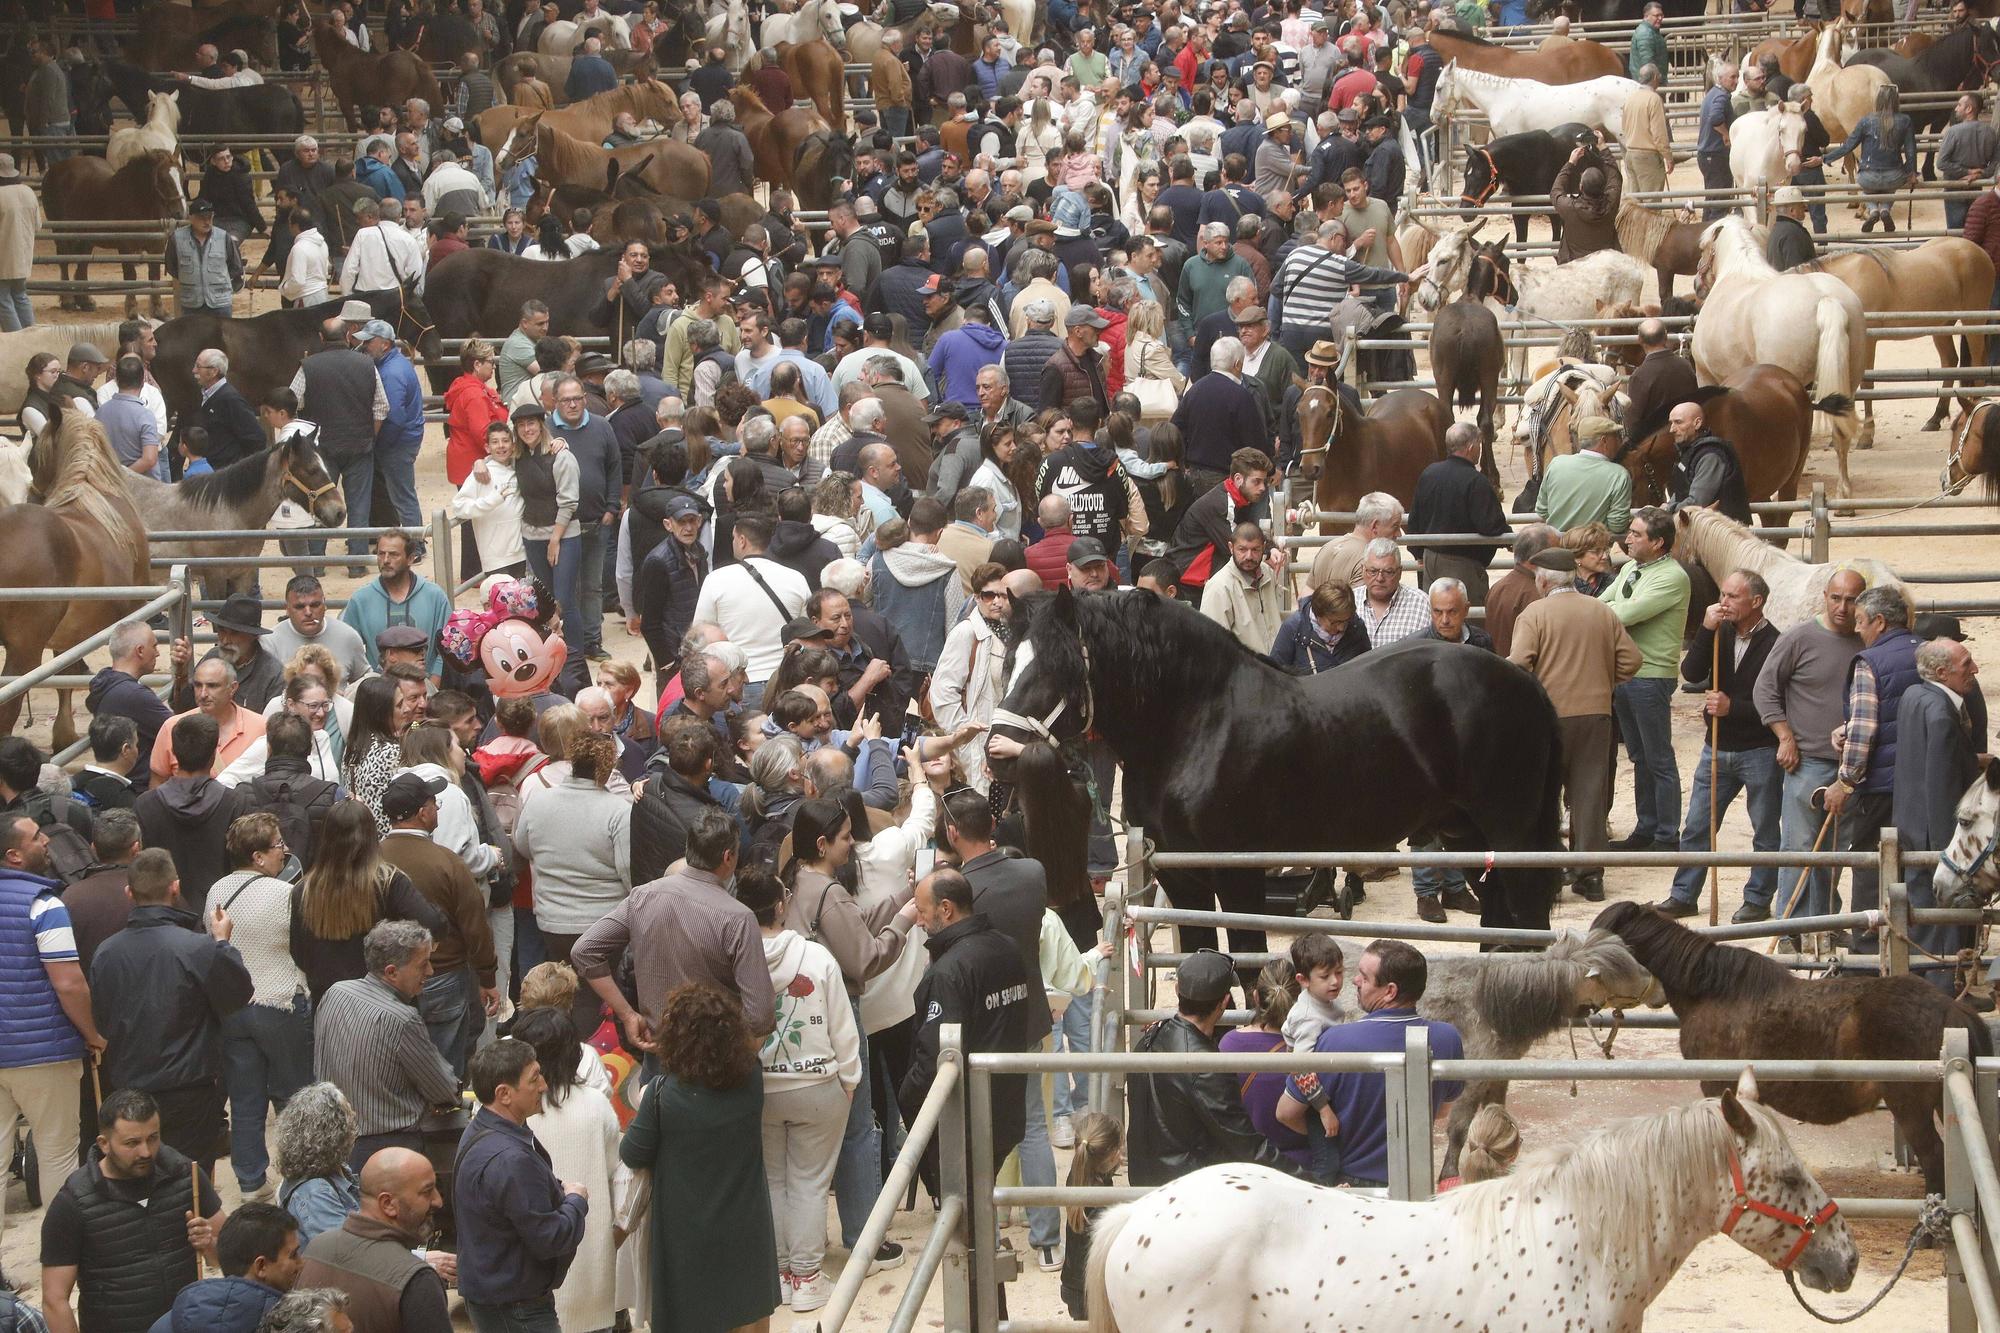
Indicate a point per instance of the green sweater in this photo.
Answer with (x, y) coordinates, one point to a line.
(1652, 601)
(1585, 487)
(1204, 284)
(1649, 47)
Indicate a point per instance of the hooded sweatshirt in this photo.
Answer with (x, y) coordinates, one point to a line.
(799, 546)
(920, 591)
(189, 817)
(816, 1038)
(959, 357)
(219, 1305)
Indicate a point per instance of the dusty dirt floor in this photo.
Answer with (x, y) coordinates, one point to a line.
(1722, 1287)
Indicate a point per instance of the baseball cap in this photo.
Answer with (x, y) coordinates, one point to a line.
(804, 629)
(1931, 626)
(1203, 977)
(1554, 557)
(944, 410)
(1087, 551)
(402, 636)
(452, 125)
(931, 284)
(407, 793)
(200, 206)
(377, 328)
(680, 506)
(1041, 312)
(1080, 315)
(878, 325)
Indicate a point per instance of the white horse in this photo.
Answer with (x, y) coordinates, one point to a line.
(1513, 106)
(729, 28)
(161, 131)
(814, 19)
(1969, 872)
(1764, 149)
(1584, 1236)
(565, 36)
(1812, 324)
(1719, 544)
(15, 476)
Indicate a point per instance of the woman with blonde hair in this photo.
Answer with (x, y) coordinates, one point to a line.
(1492, 1146)
(1591, 544)
(1099, 1153)
(1147, 359)
(836, 500)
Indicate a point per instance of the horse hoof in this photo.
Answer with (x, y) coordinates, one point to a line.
(1935, 423)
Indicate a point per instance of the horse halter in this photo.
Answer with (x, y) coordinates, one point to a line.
(1807, 1227)
(1044, 726)
(1492, 179)
(1333, 427)
(307, 494)
(1970, 868)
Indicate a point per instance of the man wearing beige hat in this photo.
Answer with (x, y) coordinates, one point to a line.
(1277, 168)
(1588, 486)
(1790, 244)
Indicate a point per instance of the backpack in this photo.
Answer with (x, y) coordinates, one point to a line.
(70, 856)
(293, 809)
(506, 795)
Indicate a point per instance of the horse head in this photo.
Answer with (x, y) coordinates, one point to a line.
(1968, 873)
(168, 192)
(1319, 422)
(1777, 1211)
(305, 480)
(1612, 978)
(655, 101)
(1049, 696)
(1975, 451)
(521, 141)
(1451, 261)
(1491, 274)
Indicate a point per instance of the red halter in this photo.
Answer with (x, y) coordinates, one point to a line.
(1492, 179)
(1807, 1226)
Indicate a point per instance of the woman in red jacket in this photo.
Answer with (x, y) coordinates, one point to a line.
(471, 405)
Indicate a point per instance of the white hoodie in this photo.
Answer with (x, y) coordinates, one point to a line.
(458, 829)
(816, 1037)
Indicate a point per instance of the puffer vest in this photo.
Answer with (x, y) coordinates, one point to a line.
(135, 1259)
(1733, 501)
(1893, 658)
(204, 276)
(33, 1028)
(535, 476)
(340, 398)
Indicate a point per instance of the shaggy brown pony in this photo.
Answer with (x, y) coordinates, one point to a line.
(1734, 1004)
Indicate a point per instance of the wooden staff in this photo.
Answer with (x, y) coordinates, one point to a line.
(97, 1077)
(194, 1210)
(1714, 733)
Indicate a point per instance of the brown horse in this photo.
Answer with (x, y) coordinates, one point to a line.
(1738, 1005)
(84, 534)
(819, 71)
(1763, 410)
(664, 166)
(169, 34)
(1466, 347)
(1914, 44)
(359, 79)
(1347, 454)
(86, 189)
(1795, 54)
(791, 147)
(591, 119)
(1975, 450)
(1574, 63)
(1669, 241)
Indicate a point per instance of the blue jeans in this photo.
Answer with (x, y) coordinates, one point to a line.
(267, 1055)
(895, 120)
(60, 129)
(449, 1006)
(590, 592)
(1038, 1168)
(1755, 773)
(357, 486)
(566, 577)
(535, 1316)
(1817, 176)
(397, 464)
(1801, 824)
(16, 312)
(857, 1172)
(1071, 1093)
(1644, 708)
(1431, 881)
(530, 950)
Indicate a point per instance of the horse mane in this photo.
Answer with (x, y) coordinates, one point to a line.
(1470, 39)
(1745, 549)
(1641, 230)
(1656, 421)
(1162, 650)
(1529, 996)
(87, 476)
(1688, 964)
(230, 487)
(1989, 451)
(1819, 265)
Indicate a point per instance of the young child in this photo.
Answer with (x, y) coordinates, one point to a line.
(194, 452)
(1492, 1145)
(1321, 972)
(1100, 1151)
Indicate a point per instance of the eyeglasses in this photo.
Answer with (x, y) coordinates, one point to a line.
(571, 401)
(991, 594)
(1380, 573)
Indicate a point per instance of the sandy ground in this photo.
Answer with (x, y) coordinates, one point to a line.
(1722, 1287)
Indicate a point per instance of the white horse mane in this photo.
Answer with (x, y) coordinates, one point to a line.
(1736, 247)
(1720, 544)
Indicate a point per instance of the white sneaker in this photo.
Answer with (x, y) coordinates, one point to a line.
(1049, 1258)
(1062, 1134)
(809, 1293)
(890, 1255)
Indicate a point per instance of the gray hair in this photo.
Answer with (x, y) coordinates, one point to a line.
(305, 141)
(1211, 230)
(228, 668)
(1238, 288)
(1377, 507)
(732, 658)
(315, 1133)
(772, 769)
(393, 943)
(888, 367)
(865, 415)
(129, 637)
(1548, 580)
(214, 358)
(1380, 547)
(642, 354)
(757, 433)
(305, 1310)
(846, 576)
(622, 385)
(1885, 604)
(1532, 540)
(1226, 354)
(1461, 436)
(998, 372)
(1439, 585)
(420, 104)
(722, 112)
(1934, 658)
(670, 409)
(702, 333)
(531, 308)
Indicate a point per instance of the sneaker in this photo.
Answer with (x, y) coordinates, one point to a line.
(1062, 1134)
(889, 1256)
(1431, 910)
(1675, 908)
(785, 1283)
(264, 1193)
(1462, 900)
(1049, 1258)
(809, 1293)
(1750, 913)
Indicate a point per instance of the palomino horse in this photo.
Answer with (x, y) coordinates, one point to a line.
(666, 166)
(590, 119)
(1587, 1233)
(1975, 451)
(242, 495)
(1515, 106)
(1764, 150)
(83, 534)
(88, 189)
(1842, 96)
(1809, 323)
(1574, 63)
(1736, 1004)
(819, 72)
(1763, 410)
(360, 79)
(1720, 544)
(1346, 454)
(1949, 273)
(160, 133)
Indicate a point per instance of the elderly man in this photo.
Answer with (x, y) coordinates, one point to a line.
(370, 1042)
(239, 634)
(1941, 722)
(1219, 416)
(375, 1255)
(1376, 514)
(1588, 486)
(384, 256)
(1204, 284)
(1869, 736)
(1388, 608)
(1650, 596)
(1741, 752)
(1581, 652)
(1664, 378)
(232, 427)
(205, 263)
(732, 166)
(1276, 167)
(1453, 496)
(401, 434)
(214, 692)
(1791, 244)
(1249, 595)
(1649, 148)
(1712, 147)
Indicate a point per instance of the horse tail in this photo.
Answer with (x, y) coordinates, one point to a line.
(1834, 404)
(1831, 372)
(1103, 1235)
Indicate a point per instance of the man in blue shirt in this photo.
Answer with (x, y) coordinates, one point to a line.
(1712, 148)
(1387, 986)
(401, 433)
(398, 595)
(990, 68)
(589, 72)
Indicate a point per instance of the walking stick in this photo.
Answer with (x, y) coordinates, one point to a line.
(97, 1077)
(1714, 733)
(194, 1210)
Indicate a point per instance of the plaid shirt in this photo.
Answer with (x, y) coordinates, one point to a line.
(1863, 720)
(1409, 613)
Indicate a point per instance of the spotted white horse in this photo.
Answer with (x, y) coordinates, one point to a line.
(1514, 106)
(1585, 1235)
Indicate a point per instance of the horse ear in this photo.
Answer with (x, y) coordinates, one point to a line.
(1740, 1122)
(1746, 1085)
(1063, 608)
(1993, 775)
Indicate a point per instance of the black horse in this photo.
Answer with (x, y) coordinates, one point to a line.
(1525, 164)
(481, 290)
(1610, 11)
(1961, 61)
(265, 350)
(1225, 752)
(1467, 349)
(265, 108)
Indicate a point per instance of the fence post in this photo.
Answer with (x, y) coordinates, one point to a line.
(1818, 517)
(1128, 952)
(1895, 957)
(1959, 1193)
(1105, 1017)
(444, 561)
(979, 1184)
(180, 620)
(1412, 1177)
(951, 1143)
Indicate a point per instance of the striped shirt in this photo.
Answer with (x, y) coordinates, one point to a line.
(1313, 280)
(369, 1042)
(260, 909)
(54, 940)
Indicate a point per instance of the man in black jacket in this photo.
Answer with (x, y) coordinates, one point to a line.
(159, 990)
(675, 796)
(116, 691)
(189, 814)
(1183, 1122)
(1707, 471)
(1453, 496)
(233, 429)
(669, 581)
(1790, 244)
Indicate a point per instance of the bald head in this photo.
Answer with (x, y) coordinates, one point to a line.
(391, 1169)
(399, 1187)
(1022, 583)
(1652, 335)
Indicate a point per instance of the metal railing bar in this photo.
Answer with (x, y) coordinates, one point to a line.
(1677, 1070)
(21, 684)
(908, 1310)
